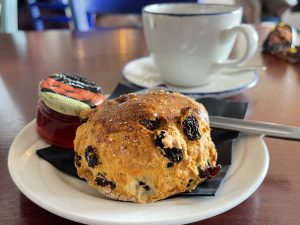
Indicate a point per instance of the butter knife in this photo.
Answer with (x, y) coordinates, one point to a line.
(256, 128)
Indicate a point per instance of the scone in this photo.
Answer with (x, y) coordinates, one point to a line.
(146, 147)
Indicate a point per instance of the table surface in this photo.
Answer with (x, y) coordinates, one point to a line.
(26, 58)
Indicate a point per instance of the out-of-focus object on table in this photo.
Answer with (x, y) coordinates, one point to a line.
(282, 42)
(8, 16)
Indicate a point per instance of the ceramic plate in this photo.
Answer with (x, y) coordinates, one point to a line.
(143, 73)
(73, 199)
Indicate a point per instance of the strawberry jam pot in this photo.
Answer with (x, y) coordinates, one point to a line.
(62, 97)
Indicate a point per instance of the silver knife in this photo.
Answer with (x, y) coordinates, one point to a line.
(256, 128)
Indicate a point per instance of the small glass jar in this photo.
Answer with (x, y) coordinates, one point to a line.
(56, 128)
(62, 98)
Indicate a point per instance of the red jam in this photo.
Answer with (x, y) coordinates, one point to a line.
(56, 128)
(62, 99)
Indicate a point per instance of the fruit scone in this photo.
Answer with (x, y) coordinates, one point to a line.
(146, 147)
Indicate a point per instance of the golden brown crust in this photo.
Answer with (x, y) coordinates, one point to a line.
(143, 147)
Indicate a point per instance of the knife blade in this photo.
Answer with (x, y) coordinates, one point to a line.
(256, 128)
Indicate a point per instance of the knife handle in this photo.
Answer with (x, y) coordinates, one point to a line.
(254, 127)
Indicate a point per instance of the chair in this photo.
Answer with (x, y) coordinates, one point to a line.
(8, 16)
(50, 12)
(84, 11)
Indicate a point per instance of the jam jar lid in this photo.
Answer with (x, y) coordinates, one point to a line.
(70, 94)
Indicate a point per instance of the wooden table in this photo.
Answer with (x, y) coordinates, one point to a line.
(26, 58)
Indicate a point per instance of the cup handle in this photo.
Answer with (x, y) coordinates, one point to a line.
(252, 41)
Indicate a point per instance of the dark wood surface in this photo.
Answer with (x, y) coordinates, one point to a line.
(26, 58)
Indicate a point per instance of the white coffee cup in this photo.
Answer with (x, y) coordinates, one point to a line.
(191, 42)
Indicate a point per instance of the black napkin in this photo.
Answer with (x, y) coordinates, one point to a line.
(63, 159)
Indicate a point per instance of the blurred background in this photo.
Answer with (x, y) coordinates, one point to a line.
(56, 14)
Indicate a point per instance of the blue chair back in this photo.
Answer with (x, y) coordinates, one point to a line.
(84, 11)
(49, 11)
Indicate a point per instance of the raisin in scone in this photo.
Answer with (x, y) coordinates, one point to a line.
(146, 147)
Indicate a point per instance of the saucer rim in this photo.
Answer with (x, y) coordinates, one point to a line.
(223, 93)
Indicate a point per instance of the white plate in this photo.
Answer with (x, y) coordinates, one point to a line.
(73, 199)
(143, 73)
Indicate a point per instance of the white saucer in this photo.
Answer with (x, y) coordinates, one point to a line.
(142, 72)
(73, 199)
